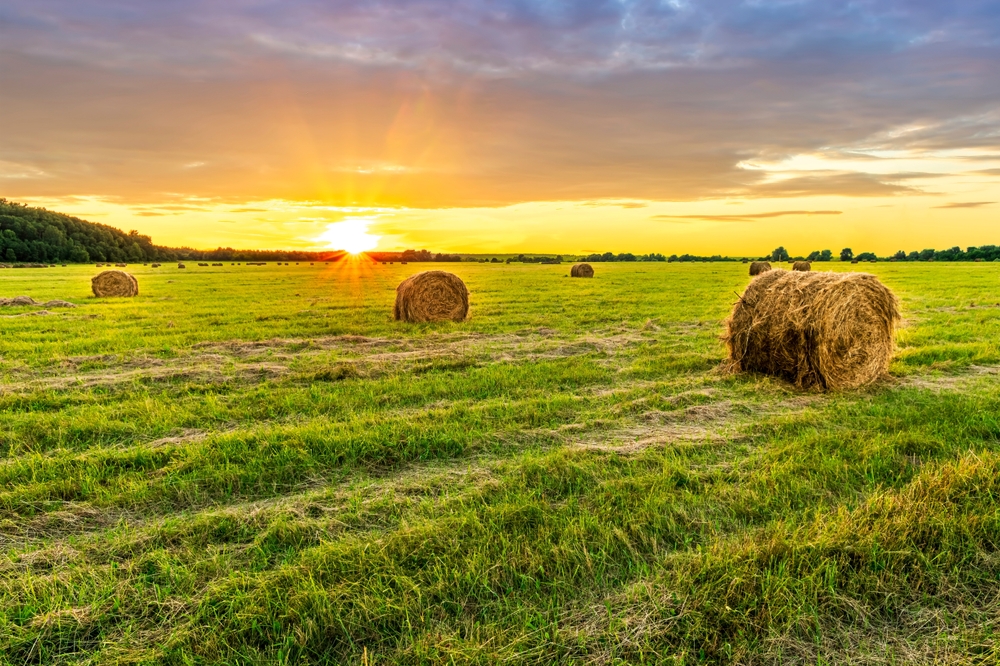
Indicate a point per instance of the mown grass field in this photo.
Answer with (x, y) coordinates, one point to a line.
(255, 465)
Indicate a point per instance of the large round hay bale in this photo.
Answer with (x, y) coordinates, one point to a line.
(581, 270)
(431, 296)
(832, 330)
(802, 266)
(114, 283)
(758, 267)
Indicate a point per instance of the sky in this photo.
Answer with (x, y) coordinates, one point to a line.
(673, 126)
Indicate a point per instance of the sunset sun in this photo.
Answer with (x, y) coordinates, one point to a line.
(350, 235)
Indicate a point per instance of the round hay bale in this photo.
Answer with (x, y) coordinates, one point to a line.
(181, 266)
(802, 266)
(582, 270)
(758, 267)
(832, 330)
(114, 283)
(431, 296)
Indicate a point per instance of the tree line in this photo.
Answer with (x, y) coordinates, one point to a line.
(36, 235)
(972, 253)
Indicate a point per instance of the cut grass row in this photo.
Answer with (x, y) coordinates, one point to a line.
(568, 482)
(789, 529)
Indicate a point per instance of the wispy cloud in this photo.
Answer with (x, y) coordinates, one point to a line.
(747, 217)
(967, 204)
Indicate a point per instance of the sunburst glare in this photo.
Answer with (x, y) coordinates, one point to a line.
(350, 235)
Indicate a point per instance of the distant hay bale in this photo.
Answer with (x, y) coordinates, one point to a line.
(832, 330)
(119, 265)
(802, 266)
(114, 283)
(431, 296)
(582, 271)
(854, 261)
(758, 267)
(181, 266)
(156, 265)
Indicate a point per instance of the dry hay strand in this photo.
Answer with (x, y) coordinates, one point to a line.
(832, 330)
(114, 283)
(804, 266)
(18, 300)
(758, 267)
(28, 300)
(431, 296)
(582, 270)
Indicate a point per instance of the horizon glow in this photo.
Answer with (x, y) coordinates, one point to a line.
(700, 127)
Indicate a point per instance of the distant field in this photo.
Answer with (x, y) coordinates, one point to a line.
(256, 465)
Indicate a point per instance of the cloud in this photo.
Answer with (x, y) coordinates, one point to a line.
(486, 103)
(967, 204)
(825, 184)
(747, 217)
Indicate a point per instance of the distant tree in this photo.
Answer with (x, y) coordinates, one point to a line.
(866, 256)
(900, 256)
(913, 256)
(825, 255)
(10, 255)
(925, 255)
(779, 254)
(846, 254)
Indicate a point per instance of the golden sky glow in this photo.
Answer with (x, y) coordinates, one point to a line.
(503, 127)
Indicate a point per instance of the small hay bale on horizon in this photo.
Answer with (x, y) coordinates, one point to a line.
(803, 266)
(114, 283)
(815, 329)
(758, 267)
(431, 296)
(582, 271)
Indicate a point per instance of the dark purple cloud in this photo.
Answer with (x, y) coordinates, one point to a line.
(461, 102)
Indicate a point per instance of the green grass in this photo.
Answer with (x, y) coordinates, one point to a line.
(256, 465)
